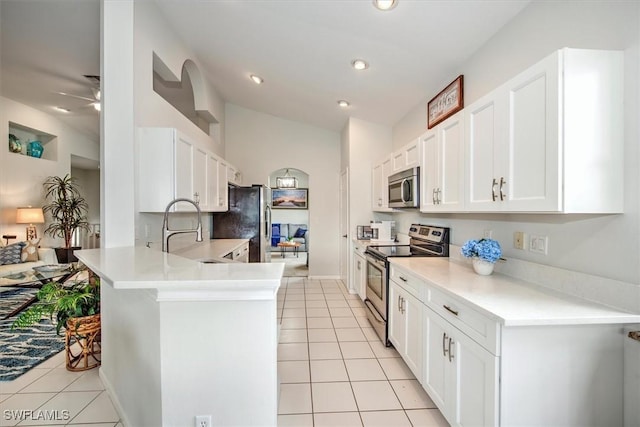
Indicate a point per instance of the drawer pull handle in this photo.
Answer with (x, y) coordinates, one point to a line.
(402, 278)
(450, 310)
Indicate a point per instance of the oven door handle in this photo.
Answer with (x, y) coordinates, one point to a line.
(376, 262)
(374, 311)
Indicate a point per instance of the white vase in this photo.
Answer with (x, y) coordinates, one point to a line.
(482, 267)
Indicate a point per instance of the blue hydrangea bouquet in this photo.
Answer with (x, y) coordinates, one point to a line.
(485, 249)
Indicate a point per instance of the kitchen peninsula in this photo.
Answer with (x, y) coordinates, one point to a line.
(182, 338)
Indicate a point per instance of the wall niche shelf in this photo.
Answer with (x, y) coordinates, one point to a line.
(26, 134)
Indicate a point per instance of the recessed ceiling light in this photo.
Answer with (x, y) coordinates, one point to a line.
(256, 79)
(61, 109)
(359, 64)
(344, 104)
(385, 4)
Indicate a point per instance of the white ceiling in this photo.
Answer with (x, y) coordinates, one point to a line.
(47, 47)
(302, 49)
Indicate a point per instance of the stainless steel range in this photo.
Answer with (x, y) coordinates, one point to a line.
(426, 241)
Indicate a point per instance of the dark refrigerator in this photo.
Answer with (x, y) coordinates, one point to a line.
(248, 217)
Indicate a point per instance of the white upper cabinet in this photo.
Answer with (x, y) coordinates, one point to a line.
(223, 186)
(407, 157)
(379, 185)
(550, 139)
(217, 189)
(165, 169)
(233, 175)
(442, 171)
(171, 166)
(200, 178)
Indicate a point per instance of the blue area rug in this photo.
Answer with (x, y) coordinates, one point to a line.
(22, 349)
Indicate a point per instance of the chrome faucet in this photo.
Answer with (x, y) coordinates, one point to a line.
(166, 232)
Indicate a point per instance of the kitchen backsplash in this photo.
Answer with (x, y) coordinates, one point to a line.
(614, 293)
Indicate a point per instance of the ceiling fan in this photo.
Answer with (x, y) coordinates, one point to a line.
(95, 90)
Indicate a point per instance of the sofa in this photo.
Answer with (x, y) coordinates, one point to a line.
(281, 232)
(27, 260)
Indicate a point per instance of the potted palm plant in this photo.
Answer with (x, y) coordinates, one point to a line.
(68, 211)
(74, 306)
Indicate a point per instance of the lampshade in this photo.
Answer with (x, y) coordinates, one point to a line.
(287, 181)
(29, 215)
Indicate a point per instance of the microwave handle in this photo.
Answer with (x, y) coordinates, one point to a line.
(404, 181)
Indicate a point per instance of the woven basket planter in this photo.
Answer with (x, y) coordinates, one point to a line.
(82, 342)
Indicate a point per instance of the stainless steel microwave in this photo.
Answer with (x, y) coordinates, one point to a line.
(404, 189)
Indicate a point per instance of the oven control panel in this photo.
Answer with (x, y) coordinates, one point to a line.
(429, 233)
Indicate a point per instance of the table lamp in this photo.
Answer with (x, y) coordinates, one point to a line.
(30, 216)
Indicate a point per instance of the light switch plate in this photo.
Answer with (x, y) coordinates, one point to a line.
(539, 244)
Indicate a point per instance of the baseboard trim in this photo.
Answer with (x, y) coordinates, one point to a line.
(114, 399)
(324, 277)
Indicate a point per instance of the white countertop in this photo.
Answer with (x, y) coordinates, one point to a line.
(511, 301)
(210, 249)
(178, 278)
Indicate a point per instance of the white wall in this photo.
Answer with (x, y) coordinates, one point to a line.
(365, 144)
(154, 34)
(608, 245)
(21, 177)
(259, 143)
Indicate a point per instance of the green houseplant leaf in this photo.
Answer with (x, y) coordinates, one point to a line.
(66, 207)
(63, 302)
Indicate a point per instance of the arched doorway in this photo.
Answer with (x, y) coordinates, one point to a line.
(290, 221)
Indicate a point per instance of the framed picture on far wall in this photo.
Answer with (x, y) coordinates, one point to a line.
(290, 198)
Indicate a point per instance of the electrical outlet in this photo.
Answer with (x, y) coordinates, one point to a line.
(203, 421)
(488, 234)
(539, 244)
(518, 240)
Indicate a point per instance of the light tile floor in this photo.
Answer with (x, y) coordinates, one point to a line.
(50, 395)
(333, 369)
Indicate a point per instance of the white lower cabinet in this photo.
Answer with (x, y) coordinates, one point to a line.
(405, 327)
(460, 376)
(359, 274)
(241, 254)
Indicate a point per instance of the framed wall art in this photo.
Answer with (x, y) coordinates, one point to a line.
(448, 102)
(290, 198)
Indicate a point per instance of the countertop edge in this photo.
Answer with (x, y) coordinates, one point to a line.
(602, 314)
(236, 281)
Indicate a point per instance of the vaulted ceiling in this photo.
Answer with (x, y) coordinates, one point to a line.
(302, 49)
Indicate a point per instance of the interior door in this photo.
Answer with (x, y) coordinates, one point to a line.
(344, 227)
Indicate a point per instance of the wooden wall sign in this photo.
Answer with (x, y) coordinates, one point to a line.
(448, 102)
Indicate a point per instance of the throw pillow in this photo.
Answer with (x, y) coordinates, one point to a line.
(300, 232)
(11, 254)
(30, 250)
